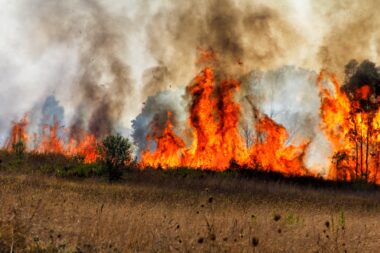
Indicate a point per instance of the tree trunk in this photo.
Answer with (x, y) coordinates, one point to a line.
(367, 145)
(356, 152)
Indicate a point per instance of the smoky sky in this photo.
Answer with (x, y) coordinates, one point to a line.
(94, 76)
(352, 33)
(102, 59)
(243, 36)
(103, 81)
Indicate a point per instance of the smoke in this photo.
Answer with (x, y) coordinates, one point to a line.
(244, 36)
(362, 84)
(76, 50)
(154, 115)
(102, 59)
(156, 79)
(352, 32)
(52, 112)
(102, 81)
(26, 76)
(290, 98)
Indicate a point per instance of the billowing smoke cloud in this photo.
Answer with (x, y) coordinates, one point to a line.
(87, 53)
(85, 45)
(290, 97)
(243, 36)
(352, 32)
(362, 84)
(103, 82)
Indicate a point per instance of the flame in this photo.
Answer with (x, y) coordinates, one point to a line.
(50, 142)
(168, 151)
(270, 151)
(352, 130)
(349, 118)
(217, 141)
(18, 133)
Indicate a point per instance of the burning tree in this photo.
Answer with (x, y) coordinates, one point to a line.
(351, 120)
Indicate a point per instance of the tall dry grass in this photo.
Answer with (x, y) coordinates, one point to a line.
(46, 214)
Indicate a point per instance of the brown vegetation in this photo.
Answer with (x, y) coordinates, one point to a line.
(158, 212)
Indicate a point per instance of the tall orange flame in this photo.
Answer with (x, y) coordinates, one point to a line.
(18, 133)
(168, 151)
(350, 120)
(270, 151)
(354, 133)
(214, 119)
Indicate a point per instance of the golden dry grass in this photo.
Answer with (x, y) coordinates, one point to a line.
(46, 214)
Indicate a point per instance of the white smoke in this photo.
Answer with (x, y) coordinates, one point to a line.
(33, 66)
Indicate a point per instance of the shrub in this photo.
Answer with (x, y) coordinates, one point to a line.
(116, 154)
(19, 149)
(79, 169)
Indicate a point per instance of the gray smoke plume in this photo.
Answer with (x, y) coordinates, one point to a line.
(290, 98)
(244, 36)
(360, 75)
(101, 85)
(81, 50)
(352, 33)
(52, 112)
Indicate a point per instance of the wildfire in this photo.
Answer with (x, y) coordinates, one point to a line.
(353, 129)
(18, 133)
(270, 151)
(217, 141)
(349, 118)
(167, 151)
(214, 139)
(49, 141)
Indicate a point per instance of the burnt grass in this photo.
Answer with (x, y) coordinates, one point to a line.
(54, 204)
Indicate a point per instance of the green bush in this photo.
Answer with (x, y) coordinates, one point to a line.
(116, 155)
(19, 149)
(79, 170)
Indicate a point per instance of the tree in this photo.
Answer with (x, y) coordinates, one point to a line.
(362, 88)
(116, 154)
(248, 135)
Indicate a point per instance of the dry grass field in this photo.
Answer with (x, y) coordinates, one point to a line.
(144, 213)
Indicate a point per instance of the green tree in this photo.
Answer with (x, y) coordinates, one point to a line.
(116, 154)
